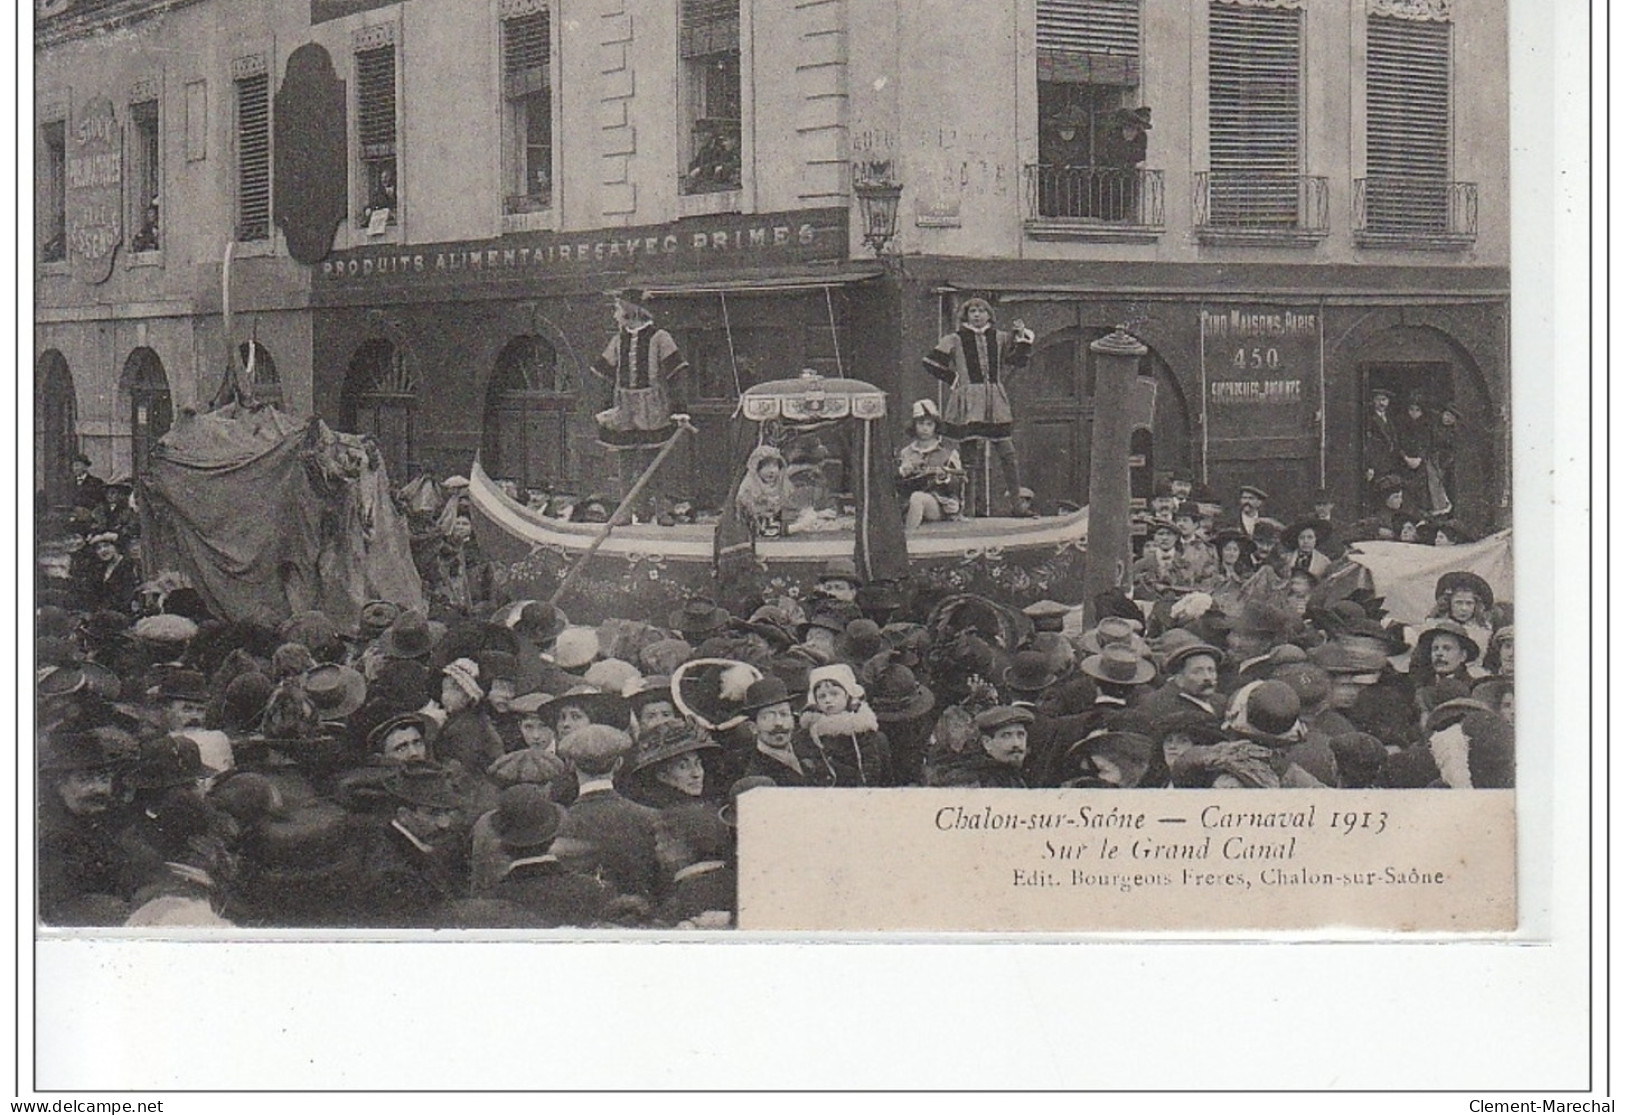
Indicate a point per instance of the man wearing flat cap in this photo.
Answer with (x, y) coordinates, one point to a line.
(621, 832)
(1192, 669)
(1250, 500)
(997, 762)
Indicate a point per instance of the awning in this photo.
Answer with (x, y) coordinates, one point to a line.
(763, 284)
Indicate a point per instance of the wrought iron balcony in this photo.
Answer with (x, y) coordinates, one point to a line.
(1260, 207)
(1402, 212)
(1090, 202)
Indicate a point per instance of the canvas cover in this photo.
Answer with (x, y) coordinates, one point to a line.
(1405, 574)
(268, 517)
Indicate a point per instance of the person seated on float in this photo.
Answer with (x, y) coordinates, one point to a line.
(928, 470)
(761, 492)
(809, 500)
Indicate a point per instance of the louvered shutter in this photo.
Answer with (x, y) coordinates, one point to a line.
(375, 79)
(526, 51)
(254, 157)
(1254, 113)
(1089, 42)
(709, 27)
(1407, 123)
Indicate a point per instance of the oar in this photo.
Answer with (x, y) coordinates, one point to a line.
(683, 426)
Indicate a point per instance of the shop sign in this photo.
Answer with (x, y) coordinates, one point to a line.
(648, 253)
(1261, 369)
(94, 199)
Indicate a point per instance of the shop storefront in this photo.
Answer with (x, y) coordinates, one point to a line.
(1253, 375)
(444, 351)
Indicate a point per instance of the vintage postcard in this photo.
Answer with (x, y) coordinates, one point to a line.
(833, 465)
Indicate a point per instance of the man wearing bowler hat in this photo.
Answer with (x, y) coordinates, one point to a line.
(783, 750)
(1381, 439)
(643, 364)
(79, 819)
(527, 822)
(417, 859)
(1441, 663)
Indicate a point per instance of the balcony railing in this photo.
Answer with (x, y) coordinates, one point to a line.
(1260, 206)
(1392, 211)
(1080, 200)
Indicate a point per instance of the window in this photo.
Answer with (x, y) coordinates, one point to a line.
(709, 43)
(527, 97)
(1407, 188)
(1254, 116)
(253, 91)
(144, 176)
(1090, 149)
(53, 232)
(375, 127)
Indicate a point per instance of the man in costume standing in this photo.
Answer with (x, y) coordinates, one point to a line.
(972, 360)
(643, 363)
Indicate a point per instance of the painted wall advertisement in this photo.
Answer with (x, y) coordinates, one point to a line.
(1261, 370)
(95, 192)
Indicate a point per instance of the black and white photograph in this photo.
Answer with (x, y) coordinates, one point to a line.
(604, 469)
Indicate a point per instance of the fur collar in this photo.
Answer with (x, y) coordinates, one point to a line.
(854, 723)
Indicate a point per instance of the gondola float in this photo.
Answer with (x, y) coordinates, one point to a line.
(646, 569)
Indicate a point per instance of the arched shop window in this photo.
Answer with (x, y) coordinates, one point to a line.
(56, 437)
(527, 414)
(380, 398)
(267, 386)
(152, 411)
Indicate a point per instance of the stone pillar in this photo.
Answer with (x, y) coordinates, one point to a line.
(1109, 556)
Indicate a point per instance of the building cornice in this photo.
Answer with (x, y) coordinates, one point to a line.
(85, 18)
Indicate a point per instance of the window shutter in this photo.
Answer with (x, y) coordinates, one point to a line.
(254, 157)
(375, 80)
(708, 27)
(526, 51)
(1407, 99)
(1089, 42)
(1254, 96)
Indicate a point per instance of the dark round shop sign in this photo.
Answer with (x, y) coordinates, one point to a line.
(94, 199)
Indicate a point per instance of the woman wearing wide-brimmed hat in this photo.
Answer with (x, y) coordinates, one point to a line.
(1301, 542)
(668, 767)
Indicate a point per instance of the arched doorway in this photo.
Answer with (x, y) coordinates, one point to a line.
(267, 386)
(527, 415)
(380, 399)
(1422, 363)
(56, 436)
(152, 410)
(1054, 407)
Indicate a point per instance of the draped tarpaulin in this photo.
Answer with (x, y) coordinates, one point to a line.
(1405, 574)
(267, 518)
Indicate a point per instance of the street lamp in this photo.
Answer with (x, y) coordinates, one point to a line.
(877, 198)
